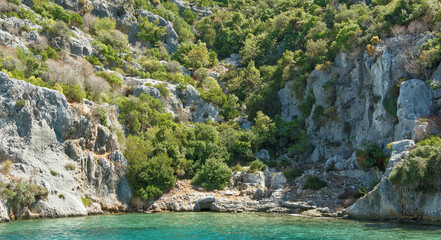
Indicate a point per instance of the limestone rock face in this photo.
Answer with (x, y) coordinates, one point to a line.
(81, 45)
(263, 155)
(414, 103)
(257, 179)
(357, 94)
(278, 181)
(42, 135)
(388, 201)
(3, 213)
(185, 104)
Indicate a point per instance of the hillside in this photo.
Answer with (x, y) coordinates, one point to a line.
(241, 105)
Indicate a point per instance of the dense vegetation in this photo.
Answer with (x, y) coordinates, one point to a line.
(277, 41)
(421, 168)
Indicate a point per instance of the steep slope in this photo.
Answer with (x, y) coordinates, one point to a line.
(53, 146)
(350, 106)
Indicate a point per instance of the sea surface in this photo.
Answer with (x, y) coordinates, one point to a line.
(206, 225)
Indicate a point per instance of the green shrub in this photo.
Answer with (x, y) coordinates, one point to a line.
(314, 183)
(106, 24)
(55, 29)
(371, 156)
(111, 77)
(284, 162)
(103, 116)
(87, 201)
(150, 177)
(107, 54)
(237, 168)
(150, 32)
(115, 39)
(163, 89)
(189, 16)
(70, 166)
(193, 55)
(53, 173)
(138, 114)
(94, 60)
(292, 173)
(306, 106)
(390, 101)
(214, 174)
(421, 168)
(76, 19)
(19, 104)
(74, 92)
(20, 194)
(16, 2)
(256, 165)
(361, 192)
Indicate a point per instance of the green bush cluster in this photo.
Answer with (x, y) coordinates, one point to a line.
(214, 175)
(421, 168)
(111, 77)
(19, 104)
(371, 156)
(256, 165)
(195, 56)
(21, 194)
(314, 183)
(151, 32)
(87, 201)
(54, 11)
(292, 173)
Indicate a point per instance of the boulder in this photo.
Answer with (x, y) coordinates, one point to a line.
(81, 44)
(263, 155)
(256, 179)
(277, 181)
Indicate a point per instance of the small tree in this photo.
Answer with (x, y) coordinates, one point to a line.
(151, 32)
(264, 129)
(214, 175)
(150, 178)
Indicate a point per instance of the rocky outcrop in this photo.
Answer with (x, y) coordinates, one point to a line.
(414, 102)
(52, 145)
(3, 213)
(171, 41)
(355, 102)
(185, 104)
(185, 198)
(201, 11)
(81, 44)
(388, 201)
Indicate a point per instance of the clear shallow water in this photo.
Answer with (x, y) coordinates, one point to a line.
(210, 226)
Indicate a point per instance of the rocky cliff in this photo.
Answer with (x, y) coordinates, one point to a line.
(355, 91)
(54, 146)
(350, 110)
(357, 99)
(388, 201)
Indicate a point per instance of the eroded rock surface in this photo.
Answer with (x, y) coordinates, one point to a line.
(52, 145)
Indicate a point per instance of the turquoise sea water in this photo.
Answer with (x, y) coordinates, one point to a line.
(207, 225)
